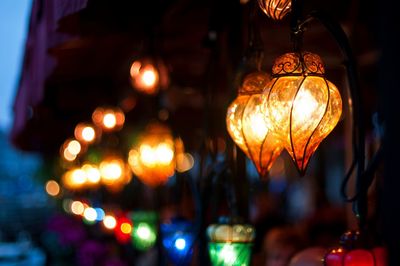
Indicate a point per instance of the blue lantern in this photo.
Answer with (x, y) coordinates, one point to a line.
(178, 239)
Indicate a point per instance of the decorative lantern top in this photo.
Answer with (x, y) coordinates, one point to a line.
(254, 83)
(294, 63)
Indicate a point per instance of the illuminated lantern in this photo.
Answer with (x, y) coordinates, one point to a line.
(74, 179)
(230, 244)
(302, 106)
(108, 119)
(85, 133)
(275, 9)
(144, 233)
(178, 238)
(153, 160)
(114, 173)
(249, 127)
(148, 76)
(70, 149)
(349, 254)
(123, 229)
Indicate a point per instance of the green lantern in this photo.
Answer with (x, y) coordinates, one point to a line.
(230, 243)
(144, 233)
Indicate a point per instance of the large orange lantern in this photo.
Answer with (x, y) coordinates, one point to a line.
(249, 127)
(302, 106)
(153, 159)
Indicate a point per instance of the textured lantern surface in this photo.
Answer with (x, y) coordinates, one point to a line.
(249, 127)
(230, 244)
(148, 76)
(178, 240)
(275, 9)
(153, 160)
(144, 234)
(302, 106)
(349, 254)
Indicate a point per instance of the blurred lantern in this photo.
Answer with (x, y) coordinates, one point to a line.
(92, 174)
(313, 256)
(114, 173)
(70, 149)
(178, 238)
(123, 229)
(350, 254)
(302, 106)
(144, 233)
(249, 127)
(153, 160)
(148, 76)
(74, 179)
(52, 188)
(230, 244)
(108, 119)
(85, 133)
(275, 9)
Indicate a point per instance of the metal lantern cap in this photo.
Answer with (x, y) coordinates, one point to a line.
(298, 63)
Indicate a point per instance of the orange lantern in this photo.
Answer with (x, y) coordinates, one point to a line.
(249, 127)
(115, 173)
(275, 9)
(302, 106)
(148, 76)
(108, 119)
(153, 160)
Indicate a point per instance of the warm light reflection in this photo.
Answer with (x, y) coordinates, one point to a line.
(275, 9)
(85, 133)
(145, 76)
(153, 161)
(109, 222)
(108, 118)
(52, 188)
(248, 125)
(77, 208)
(302, 106)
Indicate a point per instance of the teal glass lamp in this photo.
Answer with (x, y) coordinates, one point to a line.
(144, 233)
(230, 243)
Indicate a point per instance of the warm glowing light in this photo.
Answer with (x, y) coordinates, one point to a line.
(85, 133)
(90, 214)
(111, 170)
(248, 125)
(92, 173)
(114, 173)
(77, 207)
(180, 243)
(275, 9)
(146, 77)
(88, 134)
(301, 105)
(154, 159)
(108, 118)
(74, 179)
(74, 147)
(52, 188)
(126, 228)
(109, 222)
(68, 156)
(184, 162)
(149, 78)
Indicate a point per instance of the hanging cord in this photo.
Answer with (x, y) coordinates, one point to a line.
(363, 176)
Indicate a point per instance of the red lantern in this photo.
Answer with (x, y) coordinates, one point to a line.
(123, 229)
(349, 254)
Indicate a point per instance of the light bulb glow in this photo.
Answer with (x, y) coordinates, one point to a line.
(164, 153)
(74, 147)
(143, 231)
(180, 243)
(77, 208)
(90, 214)
(228, 254)
(92, 173)
(149, 78)
(52, 188)
(109, 222)
(88, 134)
(109, 120)
(126, 228)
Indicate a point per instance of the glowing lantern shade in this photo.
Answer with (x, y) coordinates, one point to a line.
(350, 254)
(249, 127)
(178, 240)
(302, 106)
(148, 76)
(108, 119)
(275, 9)
(230, 244)
(144, 234)
(153, 160)
(123, 229)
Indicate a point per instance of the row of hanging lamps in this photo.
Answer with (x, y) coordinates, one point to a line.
(248, 127)
(230, 243)
(301, 105)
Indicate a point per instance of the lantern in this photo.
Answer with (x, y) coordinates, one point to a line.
(144, 234)
(248, 126)
(178, 240)
(108, 118)
(123, 229)
(148, 76)
(114, 173)
(349, 253)
(153, 160)
(85, 133)
(74, 179)
(70, 149)
(275, 9)
(230, 244)
(302, 106)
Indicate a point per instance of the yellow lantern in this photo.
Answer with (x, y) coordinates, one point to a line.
(153, 160)
(248, 126)
(108, 119)
(302, 106)
(275, 9)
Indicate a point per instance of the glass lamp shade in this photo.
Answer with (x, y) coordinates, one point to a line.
(275, 9)
(349, 254)
(249, 127)
(153, 160)
(108, 118)
(178, 239)
(148, 75)
(230, 244)
(302, 106)
(144, 234)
